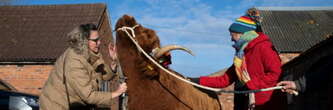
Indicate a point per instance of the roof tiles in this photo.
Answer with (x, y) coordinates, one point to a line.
(297, 31)
(38, 33)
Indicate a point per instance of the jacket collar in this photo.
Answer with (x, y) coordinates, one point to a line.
(261, 38)
(93, 57)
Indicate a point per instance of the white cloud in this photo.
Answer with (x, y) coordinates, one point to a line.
(194, 25)
(278, 2)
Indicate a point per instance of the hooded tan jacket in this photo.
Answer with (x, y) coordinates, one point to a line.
(82, 83)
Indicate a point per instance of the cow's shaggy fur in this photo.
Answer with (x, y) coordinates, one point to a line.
(155, 89)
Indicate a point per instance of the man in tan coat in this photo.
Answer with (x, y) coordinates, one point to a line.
(74, 83)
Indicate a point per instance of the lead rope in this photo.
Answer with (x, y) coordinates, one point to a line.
(217, 90)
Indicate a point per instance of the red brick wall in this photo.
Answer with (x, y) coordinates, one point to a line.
(286, 57)
(26, 78)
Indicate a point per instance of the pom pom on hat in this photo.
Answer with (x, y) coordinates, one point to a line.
(247, 22)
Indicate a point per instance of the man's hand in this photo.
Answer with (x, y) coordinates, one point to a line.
(288, 86)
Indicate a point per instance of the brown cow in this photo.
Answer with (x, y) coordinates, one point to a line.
(150, 88)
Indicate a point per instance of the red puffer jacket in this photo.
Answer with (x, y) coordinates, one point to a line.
(263, 65)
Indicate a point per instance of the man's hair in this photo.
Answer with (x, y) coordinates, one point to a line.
(78, 37)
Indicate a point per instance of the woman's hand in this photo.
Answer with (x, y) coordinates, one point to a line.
(112, 51)
(121, 89)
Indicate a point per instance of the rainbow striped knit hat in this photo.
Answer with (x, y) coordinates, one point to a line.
(243, 24)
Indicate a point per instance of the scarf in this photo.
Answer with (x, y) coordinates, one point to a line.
(239, 59)
(240, 62)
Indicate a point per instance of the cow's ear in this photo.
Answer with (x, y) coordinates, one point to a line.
(148, 69)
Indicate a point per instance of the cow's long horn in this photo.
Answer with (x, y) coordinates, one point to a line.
(168, 48)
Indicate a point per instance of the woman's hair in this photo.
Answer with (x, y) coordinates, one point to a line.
(78, 38)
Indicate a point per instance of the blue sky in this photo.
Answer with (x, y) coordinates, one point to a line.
(200, 25)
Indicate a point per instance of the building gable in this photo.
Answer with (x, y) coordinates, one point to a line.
(38, 33)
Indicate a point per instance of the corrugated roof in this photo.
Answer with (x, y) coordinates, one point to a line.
(298, 30)
(313, 51)
(294, 8)
(38, 33)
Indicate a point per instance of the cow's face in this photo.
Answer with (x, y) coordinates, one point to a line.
(150, 43)
(146, 38)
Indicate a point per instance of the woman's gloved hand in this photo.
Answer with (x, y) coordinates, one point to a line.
(195, 80)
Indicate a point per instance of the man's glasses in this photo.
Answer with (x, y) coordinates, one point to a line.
(95, 40)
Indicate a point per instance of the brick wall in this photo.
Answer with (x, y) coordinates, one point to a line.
(286, 57)
(26, 78)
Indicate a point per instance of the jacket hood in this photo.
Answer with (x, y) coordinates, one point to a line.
(78, 42)
(260, 39)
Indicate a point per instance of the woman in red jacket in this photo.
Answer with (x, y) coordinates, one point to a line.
(256, 64)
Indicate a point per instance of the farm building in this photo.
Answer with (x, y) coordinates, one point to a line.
(34, 36)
